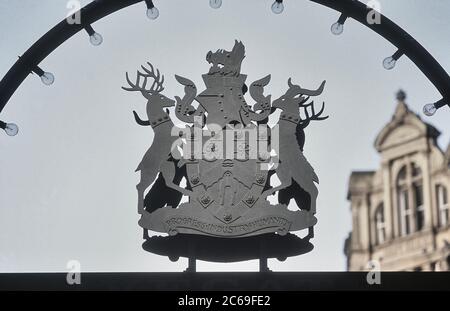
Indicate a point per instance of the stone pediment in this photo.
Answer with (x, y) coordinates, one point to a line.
(400, 135)
(404, 127)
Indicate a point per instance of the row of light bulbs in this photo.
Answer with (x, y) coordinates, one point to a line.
(388, 64)
(48, 78)
(278, 8)
(96, 39)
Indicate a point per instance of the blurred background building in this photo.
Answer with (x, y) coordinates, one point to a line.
(401, 211)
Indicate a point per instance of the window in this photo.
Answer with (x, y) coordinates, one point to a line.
(443, 205)
(420, 211)
(403, 203)
(418, 197)
(411, 211)
(380, 225)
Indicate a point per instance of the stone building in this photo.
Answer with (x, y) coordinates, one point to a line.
(401, 211)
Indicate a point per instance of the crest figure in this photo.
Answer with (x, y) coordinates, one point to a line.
(212, 177)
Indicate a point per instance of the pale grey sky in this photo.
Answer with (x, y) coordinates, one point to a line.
(67, 181)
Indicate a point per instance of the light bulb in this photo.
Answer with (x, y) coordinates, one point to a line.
(389, 63)
(96, 39)
(153, 12)
(215, 4)
(337, 28)
(48, 78)
(277, 7)
(429, 110)
(11, 129)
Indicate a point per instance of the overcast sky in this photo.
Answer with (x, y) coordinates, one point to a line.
(67, 181)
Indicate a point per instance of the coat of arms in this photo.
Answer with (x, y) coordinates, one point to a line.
(213, 176)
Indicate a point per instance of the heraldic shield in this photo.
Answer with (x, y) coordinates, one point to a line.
(213, 176)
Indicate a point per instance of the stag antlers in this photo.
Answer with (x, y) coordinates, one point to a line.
(314, 116)
(296, 89)
(157, 86)
(296, 98)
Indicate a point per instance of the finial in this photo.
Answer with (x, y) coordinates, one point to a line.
(401, 95)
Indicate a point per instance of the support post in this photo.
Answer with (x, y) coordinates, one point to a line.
(192, 261)
(192, 265)
(263, 266)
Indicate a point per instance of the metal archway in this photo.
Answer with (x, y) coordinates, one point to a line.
(98, 9)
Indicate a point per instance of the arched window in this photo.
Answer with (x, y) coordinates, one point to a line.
(411, 212)
(443, 205)
(380, 225)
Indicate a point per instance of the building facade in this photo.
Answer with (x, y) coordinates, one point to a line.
(401, 212)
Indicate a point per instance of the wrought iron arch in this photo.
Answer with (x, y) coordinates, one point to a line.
(99, 9)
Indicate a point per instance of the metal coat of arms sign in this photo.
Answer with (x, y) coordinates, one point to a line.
(213, 176)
